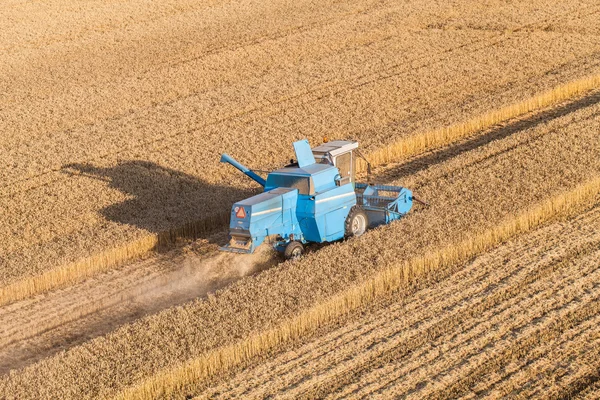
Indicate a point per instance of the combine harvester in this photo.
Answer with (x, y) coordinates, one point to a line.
(312, 200)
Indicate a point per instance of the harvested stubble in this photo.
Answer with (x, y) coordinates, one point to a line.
(373, 70)
(490, 185)
(410, 346)
(392, 279)
(111, 258)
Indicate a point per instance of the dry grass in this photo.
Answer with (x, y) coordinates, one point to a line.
(88, 93)
(112, 258)
(471, 196)
(440, 332)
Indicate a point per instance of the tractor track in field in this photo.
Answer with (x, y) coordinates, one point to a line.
(36, 328)
(507, 311)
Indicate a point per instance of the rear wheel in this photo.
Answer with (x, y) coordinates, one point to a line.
(356, 222)
(293, 250)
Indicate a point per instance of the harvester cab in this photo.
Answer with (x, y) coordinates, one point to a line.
(340, 154)
(312, 200)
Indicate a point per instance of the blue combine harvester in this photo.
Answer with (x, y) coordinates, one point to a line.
(312, 200)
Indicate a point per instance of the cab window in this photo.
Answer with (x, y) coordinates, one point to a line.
(321, 158)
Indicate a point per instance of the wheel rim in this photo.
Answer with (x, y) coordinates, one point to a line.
(358, 225)
(297, 252)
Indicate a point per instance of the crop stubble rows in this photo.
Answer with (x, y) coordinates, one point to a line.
(409, 344)
(57, 217)
(510, 174)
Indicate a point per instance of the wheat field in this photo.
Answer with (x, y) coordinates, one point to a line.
(114, 203)
(103, 164)
(452, 336)
(249, 307)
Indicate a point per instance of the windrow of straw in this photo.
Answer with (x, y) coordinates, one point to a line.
(382, 284)
(430, 140)
(112, 258)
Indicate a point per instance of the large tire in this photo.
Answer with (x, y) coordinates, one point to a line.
(293, 250)
(356, 222)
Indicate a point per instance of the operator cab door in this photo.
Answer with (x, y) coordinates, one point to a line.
(346, 164)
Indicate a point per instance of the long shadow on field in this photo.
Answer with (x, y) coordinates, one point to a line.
(164, 201)
(437, 157)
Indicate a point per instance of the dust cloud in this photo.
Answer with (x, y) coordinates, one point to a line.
(67, 318)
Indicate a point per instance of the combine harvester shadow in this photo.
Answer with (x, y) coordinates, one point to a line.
(166, 202)
(158, 199)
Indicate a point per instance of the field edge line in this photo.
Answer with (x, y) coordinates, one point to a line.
(437, 138)
(76, 272)
(383, 283)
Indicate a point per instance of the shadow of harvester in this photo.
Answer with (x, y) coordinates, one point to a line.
(172, 204)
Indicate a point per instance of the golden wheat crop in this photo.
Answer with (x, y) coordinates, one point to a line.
(109, 145)
(76, 271)
(421, 142)
(471, 198)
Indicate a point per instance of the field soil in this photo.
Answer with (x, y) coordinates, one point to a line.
(472, 191)
(113, 115)
(37, 328)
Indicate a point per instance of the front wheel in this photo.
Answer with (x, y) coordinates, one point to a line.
(293, 250)
(356, 222)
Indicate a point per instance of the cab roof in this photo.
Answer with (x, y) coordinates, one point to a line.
(336, 147)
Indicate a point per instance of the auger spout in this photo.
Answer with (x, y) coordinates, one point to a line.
(226, 158)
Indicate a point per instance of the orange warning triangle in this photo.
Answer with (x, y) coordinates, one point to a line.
(240, 213)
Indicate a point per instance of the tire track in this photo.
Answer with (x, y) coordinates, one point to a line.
(536, 337)
(475, 282)
(38, 328)
(479, 335)
(565, 360)
(438, 359)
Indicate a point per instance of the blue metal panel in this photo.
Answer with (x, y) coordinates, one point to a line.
(335, 223)
(325, 179)
(335, 204)
(304, 153)
(313, 213)
(263, 215)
